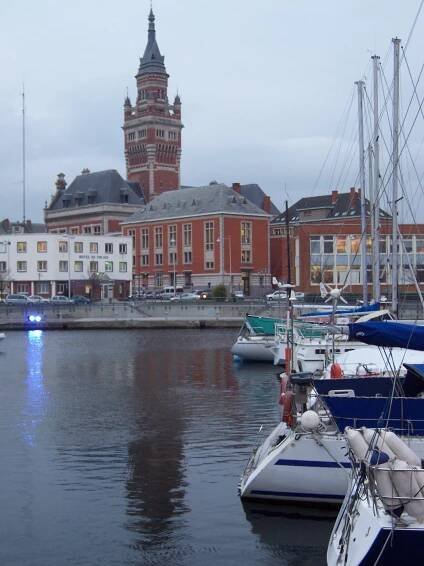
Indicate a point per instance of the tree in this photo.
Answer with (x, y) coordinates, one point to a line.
(219, 292)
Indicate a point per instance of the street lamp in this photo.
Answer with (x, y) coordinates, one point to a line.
(223, 263)
(69, 238)
(172, 243)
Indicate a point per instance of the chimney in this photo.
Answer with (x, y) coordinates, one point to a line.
(60, 182)
(85, 171)
(334, 196)
(266, 205)
(236, 187)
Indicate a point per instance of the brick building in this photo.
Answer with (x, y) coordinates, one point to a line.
(152, 127)
(325, 237)
(205, 236)
(94, 203)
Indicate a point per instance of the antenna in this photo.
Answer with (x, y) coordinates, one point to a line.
(23, 155)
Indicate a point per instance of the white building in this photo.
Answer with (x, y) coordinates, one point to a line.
(62, 264)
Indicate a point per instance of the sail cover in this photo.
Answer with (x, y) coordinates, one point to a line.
(343, 310)
(389, 334)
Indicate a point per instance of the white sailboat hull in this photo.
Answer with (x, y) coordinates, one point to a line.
(254, 349)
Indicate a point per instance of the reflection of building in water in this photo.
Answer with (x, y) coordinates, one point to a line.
(36, 394)
(156, 483)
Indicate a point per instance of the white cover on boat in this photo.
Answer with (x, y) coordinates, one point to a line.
(374, 439)
(400, 448)
(357, 442)
(405, 482)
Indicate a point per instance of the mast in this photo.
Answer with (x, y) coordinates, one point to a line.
(360, 85)
(372, 201)
(288, 244)
(23, 156)
(375, 205)
(395, 173)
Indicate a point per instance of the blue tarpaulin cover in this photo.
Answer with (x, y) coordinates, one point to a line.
(389, 334)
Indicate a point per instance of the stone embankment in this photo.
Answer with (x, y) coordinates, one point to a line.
(129, 315)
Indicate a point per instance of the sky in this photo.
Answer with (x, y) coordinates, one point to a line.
(265, 87)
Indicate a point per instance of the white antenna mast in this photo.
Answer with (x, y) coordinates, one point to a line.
(23, 156)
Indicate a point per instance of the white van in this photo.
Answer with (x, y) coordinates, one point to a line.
(168, 292)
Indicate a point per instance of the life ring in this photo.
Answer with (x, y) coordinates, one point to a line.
(336, 371)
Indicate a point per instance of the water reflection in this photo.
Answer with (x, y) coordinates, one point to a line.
(298, 532)
(35, 391)
(156, 486)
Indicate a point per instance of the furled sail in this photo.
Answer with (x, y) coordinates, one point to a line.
(389, 334)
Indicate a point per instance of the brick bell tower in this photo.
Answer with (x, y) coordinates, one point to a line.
(152, 127)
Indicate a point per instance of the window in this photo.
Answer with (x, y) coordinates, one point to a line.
(21, 266)
(78, 266)
(144, 238)
(420, 273)
(419, 242)
(94, 248)
(97, 229)
(407, 244)
(355, 244)
(316, 274)
(123, 266)
(142, 133)
(21, 247)
(3, 247)
(122, 248)
(94, 266)
(160, 133)
(172, 258)
(22, 288)
(246, 232)
(246, 256)
(158, 279)
(108, 266)
(60, 288)
(209, 236)
(187, 235)
(63, 247)
(131, 136)
(315, 245)
(75, 230)
(172, 235)
(132, 234)
(158, 237)
(78, 247)
(41, 247)
(328, 244)
(187, 257)
(63, 266)
(42, 287)
(383, 245)
(145, 259)
(209, 265)
(108, 248)
(158, 259)
(172, 135)
(87, 229)
(42, 265)
(3, 266)
(341, 247)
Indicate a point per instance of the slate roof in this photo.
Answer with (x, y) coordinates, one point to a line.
(98, 188)
(255, 194)
(211, 199)
(347, 205)
(152, 60)
(8, 227)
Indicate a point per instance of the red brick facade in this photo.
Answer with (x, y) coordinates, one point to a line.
(210, 250)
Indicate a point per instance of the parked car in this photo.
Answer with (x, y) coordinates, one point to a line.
(299, 295)
(81, 300)
(238, 295)
(61, 300)
(37, 299)
(17, 299)
(277, 295)
(186, 297)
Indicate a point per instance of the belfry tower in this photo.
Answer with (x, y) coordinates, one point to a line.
(152, 127)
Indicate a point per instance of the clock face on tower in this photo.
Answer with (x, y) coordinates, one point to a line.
(152, 127)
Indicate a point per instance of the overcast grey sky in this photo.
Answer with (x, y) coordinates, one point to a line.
(263, 85)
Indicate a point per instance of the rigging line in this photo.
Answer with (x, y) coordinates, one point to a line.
(414, 24)
(349, 155)
(345, 111)
(341, 141)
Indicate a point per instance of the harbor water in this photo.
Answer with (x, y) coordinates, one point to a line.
(126, 448)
